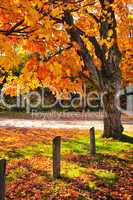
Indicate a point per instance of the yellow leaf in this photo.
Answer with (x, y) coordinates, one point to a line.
(110, 32)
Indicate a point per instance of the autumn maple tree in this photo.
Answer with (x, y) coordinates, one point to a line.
(65, 42)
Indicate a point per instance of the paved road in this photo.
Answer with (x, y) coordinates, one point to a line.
(27, 123)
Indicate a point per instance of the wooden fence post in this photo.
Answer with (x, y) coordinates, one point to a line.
(56, 156)
(92, 141)
(2, 178)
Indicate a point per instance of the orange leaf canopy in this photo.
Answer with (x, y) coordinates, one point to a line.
(35, 29)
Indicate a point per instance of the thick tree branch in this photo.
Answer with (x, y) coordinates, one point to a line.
(90, 79)
(98, 49)
(75, 35)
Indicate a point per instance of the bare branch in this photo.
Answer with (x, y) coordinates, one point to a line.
(94, 17)
(58, 52)
(14, 27)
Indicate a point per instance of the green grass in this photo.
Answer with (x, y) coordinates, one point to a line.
(72, 170)
(30, 151)
(108, 146)
(92, 185)
(79, 146)
(107, 176)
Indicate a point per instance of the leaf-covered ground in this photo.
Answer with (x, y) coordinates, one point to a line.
(108, 175)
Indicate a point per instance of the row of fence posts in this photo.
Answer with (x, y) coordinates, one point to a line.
(56, 161)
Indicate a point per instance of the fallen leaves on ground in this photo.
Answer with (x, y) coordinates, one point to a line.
(106, 176)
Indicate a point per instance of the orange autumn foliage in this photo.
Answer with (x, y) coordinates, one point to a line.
(40, 30)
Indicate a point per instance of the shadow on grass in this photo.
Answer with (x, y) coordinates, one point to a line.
(94, 193)
(126, 138)
(87, 160)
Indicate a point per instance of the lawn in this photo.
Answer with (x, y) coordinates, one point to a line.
(108, 175)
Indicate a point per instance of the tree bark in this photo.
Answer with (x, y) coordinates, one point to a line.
(108, 78)
(112, 116)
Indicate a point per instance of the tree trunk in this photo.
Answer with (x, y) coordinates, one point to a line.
(108, 78)
(112, 116)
